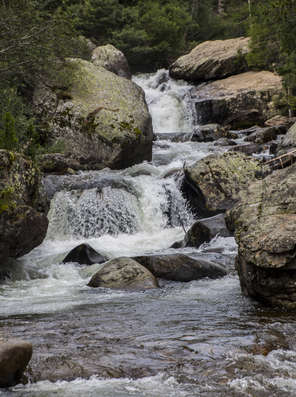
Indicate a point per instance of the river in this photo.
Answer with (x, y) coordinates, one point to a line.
(201, 338)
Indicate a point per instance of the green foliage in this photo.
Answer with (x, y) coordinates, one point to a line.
(273, 32)
(6, 199)
(34, 42)
(8, 138)
(36, 37)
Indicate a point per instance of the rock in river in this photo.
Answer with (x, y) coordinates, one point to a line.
(239, 101)
(96, 118)
(179, 267)
(204, 230)
(14, 357)
(212, 60)
(123, 273)
(23, 221)
(213, 184)
(84, 254)
(265, 230)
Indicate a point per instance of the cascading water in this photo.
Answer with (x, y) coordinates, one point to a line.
(200, 338)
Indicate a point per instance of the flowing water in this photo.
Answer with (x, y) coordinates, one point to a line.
(201, 338)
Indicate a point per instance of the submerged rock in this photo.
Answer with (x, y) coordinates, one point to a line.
(15, 355)
(23, 221)
(179, 267)
(84, 254)
(265, 230)
(239, 101)
(111, 59)
(123, 273)
(214, 183)
(204, 230)
(97, 119)
(212, 60)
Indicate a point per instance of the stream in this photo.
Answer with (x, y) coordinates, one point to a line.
(200, 338)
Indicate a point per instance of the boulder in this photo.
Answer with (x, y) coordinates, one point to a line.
(267, 134)
(239, 101)
(96, 118)
(212, 60)
(210, 133)
(23, 221)
(265, 230)
(252, 148)
(204, 230)
(289, 141)
(14, 358)
(111, 59)
(123, 273)
(57, 163)
(279, 120)
(213, 184)
(179, 267)
(225, 142)
(84, 254)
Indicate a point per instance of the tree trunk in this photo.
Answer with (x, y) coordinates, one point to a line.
(194, 8)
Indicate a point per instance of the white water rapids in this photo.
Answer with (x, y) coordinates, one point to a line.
(201, 338)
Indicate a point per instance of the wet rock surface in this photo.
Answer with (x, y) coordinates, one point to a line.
(123, 273)
(180, 267)
(264, 224)
(23, 221)
(204, 230)
(212, 60)
(15, 355)
(215, 182)
(84, 254)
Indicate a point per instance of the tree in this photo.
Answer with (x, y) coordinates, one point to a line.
(273, 32)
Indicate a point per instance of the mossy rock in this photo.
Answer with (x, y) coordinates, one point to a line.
(103, 119)
(23, 222)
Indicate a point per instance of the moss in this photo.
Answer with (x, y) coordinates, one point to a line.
(7, 202)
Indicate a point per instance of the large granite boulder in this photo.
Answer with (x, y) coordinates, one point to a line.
(96, 118)
(213, 184)
(123, 273)
(212, 60)
(239, 101)
(23, 221)
(265, 230)
(180, 267)
(111, 59)
(15, 355)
